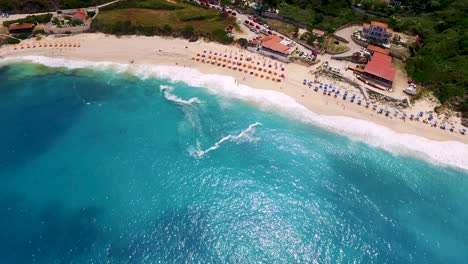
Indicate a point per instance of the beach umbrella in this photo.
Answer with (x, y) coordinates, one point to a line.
(305, 81)
(452, 128)
(359, 102)
(381, 110)
(430, 117)
(316, 88)
(396, 112)
(463, 131)
(411, 116)
(387, 112)
(443, 126)
(367, 104)
(421, 113)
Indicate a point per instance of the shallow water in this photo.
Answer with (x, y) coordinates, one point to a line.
(99, 166)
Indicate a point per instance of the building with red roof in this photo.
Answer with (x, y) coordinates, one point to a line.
(372, 49)
(80, 16)
(21, 28)
(380, 69)
(271, 46)
(377, 32)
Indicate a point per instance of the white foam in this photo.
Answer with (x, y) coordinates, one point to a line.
(166, 90)
(449, 153)
(244, 134)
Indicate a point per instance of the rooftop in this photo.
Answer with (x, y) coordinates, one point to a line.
(273, 42)
(378, 49)
(21, 26)
(379, 24)
(365, 25)
(80, 15)
(381, 65)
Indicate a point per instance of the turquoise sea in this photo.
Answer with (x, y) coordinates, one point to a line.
(101, 166)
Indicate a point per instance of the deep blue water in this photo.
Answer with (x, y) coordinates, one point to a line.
(100, 167)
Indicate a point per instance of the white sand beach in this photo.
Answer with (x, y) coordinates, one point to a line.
(170, 51)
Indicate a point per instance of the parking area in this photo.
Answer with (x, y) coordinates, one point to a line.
(346, 34)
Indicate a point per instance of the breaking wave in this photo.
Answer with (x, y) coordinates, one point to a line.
(244, 134)
(449, 153)
(167, 91)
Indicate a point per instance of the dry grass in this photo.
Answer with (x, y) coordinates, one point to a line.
(282, 27)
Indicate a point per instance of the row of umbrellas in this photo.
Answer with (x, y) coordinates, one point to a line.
(247, 59)
(47, 44)
(330, 89)
(259, 74)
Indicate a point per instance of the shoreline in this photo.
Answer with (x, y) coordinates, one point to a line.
(97, 47)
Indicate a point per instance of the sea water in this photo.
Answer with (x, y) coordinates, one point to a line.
(104, 165)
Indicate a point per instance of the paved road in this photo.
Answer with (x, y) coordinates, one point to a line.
(346, 34)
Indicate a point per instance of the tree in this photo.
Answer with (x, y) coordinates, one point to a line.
(242, 42)
(296, 32)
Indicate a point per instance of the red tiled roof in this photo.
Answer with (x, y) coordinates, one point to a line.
(273, 42)
(378, 49)
(21, 26)
(379, 24)
(389, 30)
(80, 15)
(381, 65)
(365, 25)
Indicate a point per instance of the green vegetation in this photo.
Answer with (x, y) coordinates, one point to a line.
(5, 41)
(30, 19)
(160, 17)
(146, 4)
(21, 36)
(33, 6)
(242, 42)
(312, 39)
(441, 64)
(322, 14)
(282, 27)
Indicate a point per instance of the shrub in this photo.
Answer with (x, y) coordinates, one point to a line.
(242, 42)
(188, 31)
(220, 36)
(166, 30)
(10, 41)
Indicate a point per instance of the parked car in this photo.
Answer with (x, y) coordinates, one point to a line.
(301, 53)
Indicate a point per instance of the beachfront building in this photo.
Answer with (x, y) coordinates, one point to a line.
(20, 28)
(80, 16)
(373, 49)
(377, 32)
(379, 70)
(273, 46)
